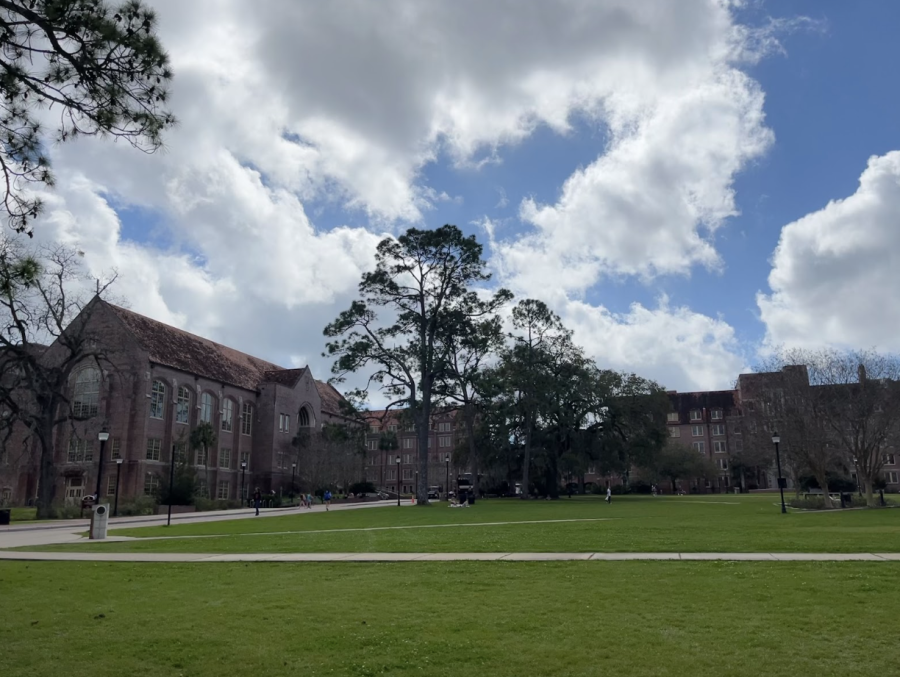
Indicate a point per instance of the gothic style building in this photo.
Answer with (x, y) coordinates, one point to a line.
(157, 384)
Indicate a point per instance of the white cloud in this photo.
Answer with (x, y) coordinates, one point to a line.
(834, 270)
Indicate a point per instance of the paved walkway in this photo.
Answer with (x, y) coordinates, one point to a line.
(448, 556)
(28, 534)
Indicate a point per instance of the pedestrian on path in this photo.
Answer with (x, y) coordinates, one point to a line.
(309, 501)
(608, 495)
(257, 499)
(327, 498)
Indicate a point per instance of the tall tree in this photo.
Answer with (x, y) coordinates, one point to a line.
(203, 437)
(100, 66)
(39, 299)
(424, 281)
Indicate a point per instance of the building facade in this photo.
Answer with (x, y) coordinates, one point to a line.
(156, 386)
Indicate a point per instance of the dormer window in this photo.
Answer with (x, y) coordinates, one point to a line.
(696, 415)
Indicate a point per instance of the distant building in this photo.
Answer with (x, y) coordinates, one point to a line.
(160, 384)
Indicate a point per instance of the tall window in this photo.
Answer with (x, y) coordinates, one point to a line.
(111, 485)
(202, 457)
(719, 447)
(225, 458)
(303, 418)
(116, 450)
(699, 447)
(206, 408)
(444, 427)
(180, 452)
(87, 393)
(153, 447)
(284, 423)
(227, 415)
(718, 429)
(697, 430)
(80, 451)
(409, 443)
(246, 419)
(407, 473)
(245, 458)
(151, 484)
(372, 444)
(674, 431)
(222, 490)
(157, 399)
(182, 405)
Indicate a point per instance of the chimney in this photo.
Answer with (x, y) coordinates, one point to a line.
(861, 372)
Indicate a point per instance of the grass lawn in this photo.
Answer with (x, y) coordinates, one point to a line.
(696, 619)
(23, 515)
(630, 524)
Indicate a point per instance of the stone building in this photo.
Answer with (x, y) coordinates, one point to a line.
(157, 384)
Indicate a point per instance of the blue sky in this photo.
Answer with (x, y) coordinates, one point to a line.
(601, 142)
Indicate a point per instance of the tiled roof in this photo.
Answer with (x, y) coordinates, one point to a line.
(331, 398)
(285, 377)
(193, 354)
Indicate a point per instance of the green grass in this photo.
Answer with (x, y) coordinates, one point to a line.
(23, 514)
(631, 524)
(698, 619)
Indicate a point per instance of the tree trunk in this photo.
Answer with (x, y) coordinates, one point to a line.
(421, 488)
(743, 480)
(527, 460)
(822, 479)
(553, 477)
(870, 493)
(47, 472)
(469, 413)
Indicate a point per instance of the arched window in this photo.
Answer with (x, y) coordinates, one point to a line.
(206, 407)
(183, 405)
(227, 415)
(87, 393)
(303, 418)
(157, 399)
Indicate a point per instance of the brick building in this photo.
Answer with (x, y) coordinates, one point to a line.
(157, 384)
(445, 433)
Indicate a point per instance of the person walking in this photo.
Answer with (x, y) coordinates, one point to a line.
(608, 495)
(327, 498)
(309, 501)
(257, 499)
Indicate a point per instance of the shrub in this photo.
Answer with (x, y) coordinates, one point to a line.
(206, 504)
(641, 487)
(142, 505)
(362, 488)
(67, 511)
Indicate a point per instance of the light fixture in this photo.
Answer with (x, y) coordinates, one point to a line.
(103, 435)
(775, 438)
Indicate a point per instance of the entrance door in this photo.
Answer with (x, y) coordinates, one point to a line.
(74, 489)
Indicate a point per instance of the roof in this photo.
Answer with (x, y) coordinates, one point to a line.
(194, 354)
(285, 377)
(331, 398)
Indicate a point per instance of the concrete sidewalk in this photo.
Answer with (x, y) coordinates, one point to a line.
(448, 557)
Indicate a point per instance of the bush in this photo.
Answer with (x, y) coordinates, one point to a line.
(641, 487)
(819, 503)
(617, 490)
(142, 505)
(206, 504)
(360, 488)
(67, 511)
(835, 483)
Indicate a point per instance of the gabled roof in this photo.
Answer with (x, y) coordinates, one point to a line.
(194, 354)
(285, 377)
(331, 398)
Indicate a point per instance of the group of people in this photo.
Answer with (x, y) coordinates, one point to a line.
(306, 500)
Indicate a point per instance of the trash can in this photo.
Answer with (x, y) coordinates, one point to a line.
(99, 521)
(5, 516)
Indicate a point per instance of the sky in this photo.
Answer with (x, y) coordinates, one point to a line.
(688, 185)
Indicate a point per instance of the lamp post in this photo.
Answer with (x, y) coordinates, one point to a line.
(293, 470)
(171, 486)
(775, 440)
(416, 488)
(118, 477)
(398, 480)
(102, 436)
(243, 469)
(447, 485)
(856, 468)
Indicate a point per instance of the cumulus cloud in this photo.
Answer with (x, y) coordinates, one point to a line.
(344, 104)
(834, 269)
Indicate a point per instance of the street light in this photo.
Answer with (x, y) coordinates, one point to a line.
(416, 488)
(856, 468)
(398, 480)
(243, 469)
(102, 436)
(775, 440)
(118, 477)
(447, 485)
(293, 470)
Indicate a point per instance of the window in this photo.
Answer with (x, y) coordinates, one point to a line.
(227, 415)
(674, 431)
(87, 393)
(716, 414)
(225, 458)
(390, 474)
(206, 408)
(718, 429)
(392, 427)
(891, 477)
(247, 419)
(182, 405)
(722, 463)
(180, 452)
(738, 446)
(444, 427)
(374, 428)
(245, 458)
(80, 451)
(409, 443)
(201, 457)
(699, 447)
(153, 447)
(697, 430)
(111, 485)
(407, 474)
(736, 430)
(116, 449)
(372, 444)
(672, 417)
(696, 415)
(6, 495)
(443, 441)
(719, 446)
(407, 458)
(74, 487)
(303, 418)
(202, 489)
(223, 490)
(151, 484)
(157, 399)
(410, 427)
(284, 423)
(888, 459)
